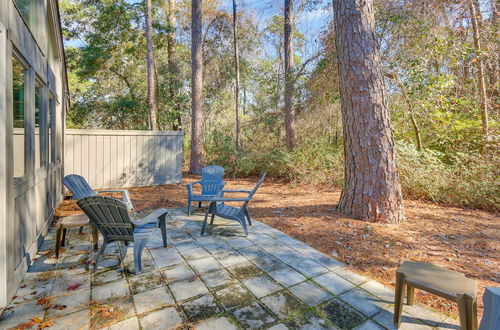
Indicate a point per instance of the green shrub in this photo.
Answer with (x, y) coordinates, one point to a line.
(455, 179)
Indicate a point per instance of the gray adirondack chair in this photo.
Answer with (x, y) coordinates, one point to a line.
(211, 184)
(239, 214)
(112, 219)
(80, 188)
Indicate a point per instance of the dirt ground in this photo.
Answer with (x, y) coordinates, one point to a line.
(467, 241)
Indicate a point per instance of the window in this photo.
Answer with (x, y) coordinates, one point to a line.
(18, 98)
(25, 8)
(51, 129)
(38, 133)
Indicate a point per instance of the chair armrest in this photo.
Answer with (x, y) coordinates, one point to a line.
(125, 197)
(193, 183)
(152, 217)
(237, 190)
(190, 185)
(223, 199)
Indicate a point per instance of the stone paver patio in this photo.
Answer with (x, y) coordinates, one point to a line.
(220, 281)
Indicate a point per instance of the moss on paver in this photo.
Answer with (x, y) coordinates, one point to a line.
(341, 315)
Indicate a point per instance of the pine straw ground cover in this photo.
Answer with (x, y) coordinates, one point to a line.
(463, 240)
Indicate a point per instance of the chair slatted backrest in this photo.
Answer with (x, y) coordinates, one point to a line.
(254, 190)
(78, 186)
(211, 180)
(110, 216)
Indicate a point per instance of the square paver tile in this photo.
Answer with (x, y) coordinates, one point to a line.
(217, 278)
(20, 314)
(69, 303)
(233, 296)
(128, 324)
(79, 320)
(379, 290)
(195, 253)
(177, 273)
(287, 276)
(201, 308)
(146, 282)
(244, 270)
(187, 289)
(369, 325)
(153, 299)
(221, 323)
(107, 313)
(111, 290)
(185, 245)
(261, 286)
(254, 316)
(342, 315)
(205, 264)
(362, 301)
(385, 318)
(106, 276)
(252, 252)
(283, 304)
(279, 326)
(167, 318)
(310, 293)
(308, 267)
(268, 263)
(232, 259)
(333, 283)
(239, 242)
(350, 275)
(309, 320)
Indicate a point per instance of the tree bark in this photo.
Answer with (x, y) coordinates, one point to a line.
(196, 162)
(152, 102)
(289, 79)
(237, 82)
(173, 68)
(371, 191)
(476, 29)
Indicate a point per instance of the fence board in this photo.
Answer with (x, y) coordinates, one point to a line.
(113, 159)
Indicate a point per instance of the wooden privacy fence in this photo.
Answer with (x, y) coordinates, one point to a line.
(115, 159)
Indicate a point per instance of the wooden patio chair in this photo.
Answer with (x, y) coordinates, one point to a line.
(211, 184)
(239, 214)
(112, 219)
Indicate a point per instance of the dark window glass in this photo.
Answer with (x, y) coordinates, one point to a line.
(24, 7)
(38, 103)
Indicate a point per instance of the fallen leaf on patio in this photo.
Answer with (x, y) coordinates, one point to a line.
(59, 307)
(44, 253)
(74, 286)
(194, 277)
(43, 301)
(46, 324)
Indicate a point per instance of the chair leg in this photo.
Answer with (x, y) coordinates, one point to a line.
(80, 230)
(398, 303)
(243, 222)
(248, 217)
(95, 237)
(101, 251)
(58, 240)
(63, 239)
(189, 207)
(212, 219)
(199, 205)
(205, 223)
(138, 248)
(163, 227)
(462, 312)
(410, 294)
(471, 304)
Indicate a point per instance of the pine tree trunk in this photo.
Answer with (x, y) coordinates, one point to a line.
(196, 162)
(289, 79)
(371, 185)
(237, 82)
(152, 103)
(173, 68)
(476, 29)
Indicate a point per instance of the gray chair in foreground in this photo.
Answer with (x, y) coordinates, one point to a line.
(211, 184)
(80, 188)
(239, 214)
(112, 219)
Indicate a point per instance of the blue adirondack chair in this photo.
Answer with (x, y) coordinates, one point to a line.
(80, 188)
(239, 214)
(112, 219)
(211, 184)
